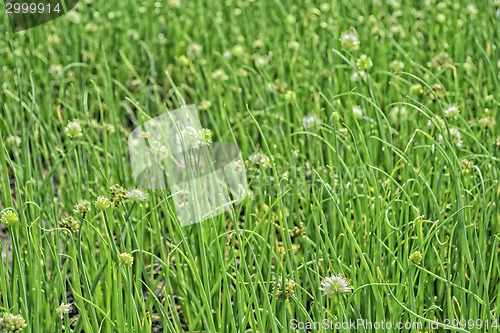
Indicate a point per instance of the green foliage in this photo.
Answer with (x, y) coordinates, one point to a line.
(370, 134)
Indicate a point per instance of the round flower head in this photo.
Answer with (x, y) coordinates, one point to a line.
(334, 117)
(487, 121)
(136, 195)
(220, 75)
(349, 40)
(109, 128)
(260, 158)
(465, 165)
(416, 89)
(82, 207)
(397, 31)
(364, 62)
(324, 7)
(294, 45)
(74, 17)
(205, 105)
(436, 121)
(9, 218)
(452, 111)
(13, 141)
(194, 50)
(10, 323)
(102, 203)
(311, 122)
(399, 114)
(125, 259)
(415, 258)
(73, 130)
(471, 10)
(397, 66)
(207, 135)
(261, 61)
(442, 61)
(455, 137)
(184, 60)
(238, 50)
(357, 111)
(358, 76)
(70, 223)
(290, 95)
(335, 285)
(193, 138)
(396, 4)
(64, 309)
(158, 151)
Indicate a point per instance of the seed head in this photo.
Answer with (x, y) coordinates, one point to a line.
(437, 92)
(108, 128)
(73, 130)
(125, 259)
(82, 207)
(70, 223)
(335, 285)
(442, 61)
(284, 293)
(465, 164)
(102, 203)
(10, 323)
(118, 194)
(9, 218)
(297, 232)
(415, 258)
